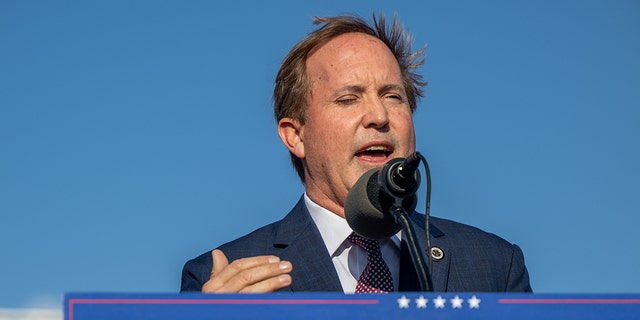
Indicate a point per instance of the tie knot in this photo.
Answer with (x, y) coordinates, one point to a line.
(371, 246)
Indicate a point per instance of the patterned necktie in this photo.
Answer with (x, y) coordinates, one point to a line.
(376, 277)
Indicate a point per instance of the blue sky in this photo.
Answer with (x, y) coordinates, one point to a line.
(132, 133)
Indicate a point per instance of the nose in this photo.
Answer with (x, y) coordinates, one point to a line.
(376, 115)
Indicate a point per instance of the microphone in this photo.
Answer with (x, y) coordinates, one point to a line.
(369, 202)
(400, 177)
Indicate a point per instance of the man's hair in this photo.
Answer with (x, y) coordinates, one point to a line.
(292, 87)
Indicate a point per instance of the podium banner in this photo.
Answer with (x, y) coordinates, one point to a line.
(408, 305)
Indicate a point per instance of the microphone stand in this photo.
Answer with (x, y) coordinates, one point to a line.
(419, 262)
(400, 214)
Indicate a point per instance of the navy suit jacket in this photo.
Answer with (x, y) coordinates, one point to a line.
(473, 260)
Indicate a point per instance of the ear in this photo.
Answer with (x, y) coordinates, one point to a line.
(291, 133)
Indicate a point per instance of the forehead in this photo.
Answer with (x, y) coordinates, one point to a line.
(351, 52)
(346, 41)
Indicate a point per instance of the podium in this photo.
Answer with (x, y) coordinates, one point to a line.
(407, 305)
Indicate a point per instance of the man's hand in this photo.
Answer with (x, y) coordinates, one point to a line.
(254, 274)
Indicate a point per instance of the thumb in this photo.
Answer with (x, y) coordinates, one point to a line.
(219, 261)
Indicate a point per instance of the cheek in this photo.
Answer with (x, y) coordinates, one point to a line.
(321, 142)
(404, 123)
(336, 126)
(406, 135)
(412, 132)
(333, 143)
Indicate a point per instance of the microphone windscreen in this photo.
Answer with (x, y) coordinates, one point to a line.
(366, 209)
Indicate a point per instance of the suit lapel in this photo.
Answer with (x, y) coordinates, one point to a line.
(299, 241)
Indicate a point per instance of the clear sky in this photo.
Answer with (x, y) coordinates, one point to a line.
(135, 135)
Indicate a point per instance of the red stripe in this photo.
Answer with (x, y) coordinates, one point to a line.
(73, 302)
(218, 301)
(569, 301)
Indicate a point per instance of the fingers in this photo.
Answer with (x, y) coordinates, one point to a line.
(253, 274)
(275, 276)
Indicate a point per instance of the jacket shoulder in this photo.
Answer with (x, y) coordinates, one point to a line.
(460, 232)
(481, 261)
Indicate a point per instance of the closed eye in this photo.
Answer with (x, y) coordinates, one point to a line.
(393, 92)
(397, 98)
(347, 100)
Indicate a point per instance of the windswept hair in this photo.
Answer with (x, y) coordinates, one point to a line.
(292, 87)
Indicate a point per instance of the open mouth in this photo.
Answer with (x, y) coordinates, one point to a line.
(375, 153)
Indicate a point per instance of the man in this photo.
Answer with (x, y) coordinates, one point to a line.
(344, 99)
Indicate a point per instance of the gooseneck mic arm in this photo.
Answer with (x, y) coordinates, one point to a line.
(417, 256)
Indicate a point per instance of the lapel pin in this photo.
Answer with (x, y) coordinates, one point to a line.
(436, 254)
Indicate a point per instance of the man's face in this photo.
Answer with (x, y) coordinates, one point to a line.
(358, 117)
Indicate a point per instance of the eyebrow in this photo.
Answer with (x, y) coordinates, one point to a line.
(391, 87)
(353, 88)
(360, 89)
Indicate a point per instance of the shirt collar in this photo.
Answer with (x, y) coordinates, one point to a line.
(333, 228)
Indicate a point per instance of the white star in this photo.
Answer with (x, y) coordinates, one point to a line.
(456, 302)
(474, 303)
(421, 303)
(403, 302)
(439, 302)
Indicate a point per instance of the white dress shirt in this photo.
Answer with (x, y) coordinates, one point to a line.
(348, 258)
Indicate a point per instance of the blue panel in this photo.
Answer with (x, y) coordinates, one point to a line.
(96, 306)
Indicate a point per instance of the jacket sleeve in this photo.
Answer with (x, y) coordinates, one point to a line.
(518, 278)
(195, 273)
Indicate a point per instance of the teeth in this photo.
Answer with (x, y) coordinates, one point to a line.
(376, 148)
